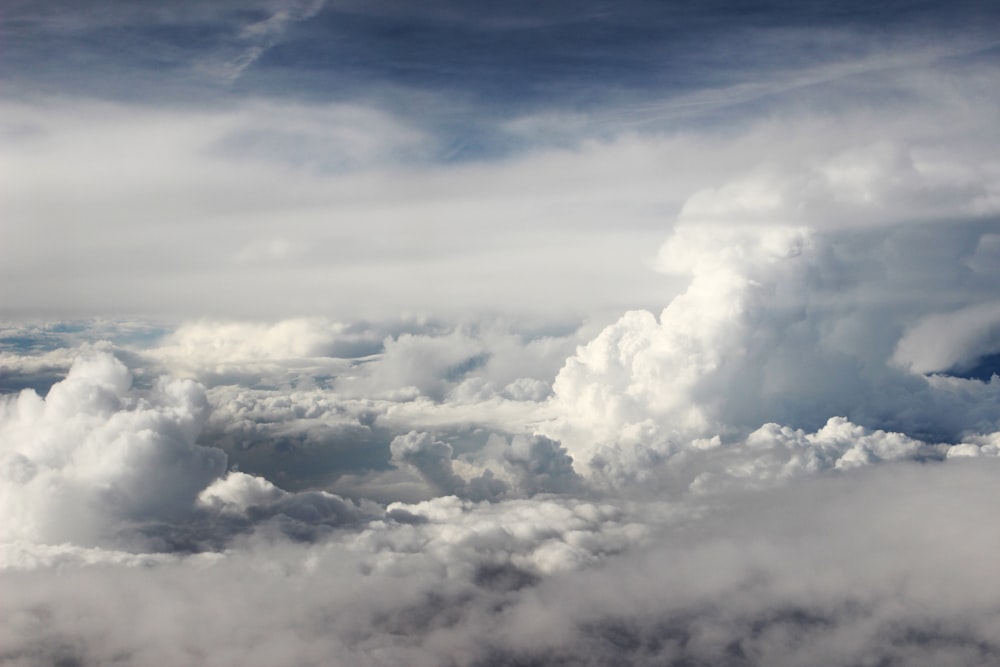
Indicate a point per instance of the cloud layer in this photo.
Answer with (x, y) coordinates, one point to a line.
(851, 569)
(350, 333)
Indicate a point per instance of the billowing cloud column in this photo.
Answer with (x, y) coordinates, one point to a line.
(95, 456)
(827, 290)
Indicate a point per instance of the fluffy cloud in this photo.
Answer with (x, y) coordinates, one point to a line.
(98, 463)
(524, 467)
(856, 567)
(792, 315)
(93, 456)
(761, 546)
(784, 452)
(429, 457)
(641, 369)
(237, 492)
(539, 464)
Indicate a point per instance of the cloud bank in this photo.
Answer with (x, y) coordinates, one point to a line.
(350, 333)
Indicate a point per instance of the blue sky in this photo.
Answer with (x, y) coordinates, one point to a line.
(461, 68)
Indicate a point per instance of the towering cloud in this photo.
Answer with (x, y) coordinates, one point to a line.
(93, 456)
(786, 316)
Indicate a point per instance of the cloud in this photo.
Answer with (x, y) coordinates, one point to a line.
(951, 341)
(255, 39)
(430, 457)
(809, 292)
(249, 353)
(526, 232)
(422, 400)
(92, 456)
(643, 373)
(489, 546)
(320, 170)
(237, 492)
(843, 570)
(98, 463)
(853, 567)
(879, 184)
(524, 467)
(540, 464)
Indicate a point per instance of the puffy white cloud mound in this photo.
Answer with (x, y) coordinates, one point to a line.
(237, 492)
(94, 453)
(812, 293)
(646, 378)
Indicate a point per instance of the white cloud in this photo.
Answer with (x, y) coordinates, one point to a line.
(802, 285)
(951, 341)
(275, 353)
(518, 556)
(255, 39)
(93, 456)
(643, 374)
(764, 460)
(882, 183)
(237, 492)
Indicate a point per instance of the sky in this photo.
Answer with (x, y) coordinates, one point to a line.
(453, 333)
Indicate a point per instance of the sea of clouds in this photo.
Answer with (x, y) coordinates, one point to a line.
(791, 459)
(794, 461)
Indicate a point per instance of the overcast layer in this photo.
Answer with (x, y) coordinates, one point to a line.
(582, 333)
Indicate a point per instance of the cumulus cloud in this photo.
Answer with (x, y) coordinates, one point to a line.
(540, 464)
(249, 353)
(461, 421)
(237, 492)
(756, 546)
(430, 457)
(92, 456)
(792, 316)
(526, 466)
(99, 463)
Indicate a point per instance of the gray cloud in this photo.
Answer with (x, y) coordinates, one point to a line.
(852, 568)
(429, 457)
